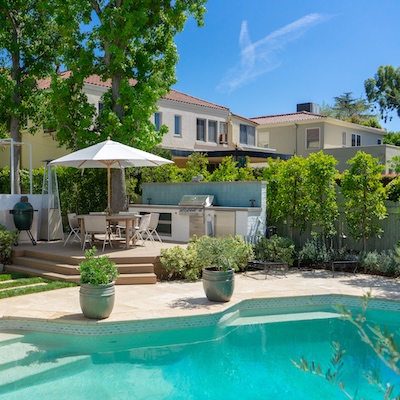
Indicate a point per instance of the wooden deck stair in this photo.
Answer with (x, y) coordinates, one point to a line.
(62, 265)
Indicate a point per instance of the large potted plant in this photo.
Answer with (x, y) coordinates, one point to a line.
(97, 291)
(220, 257)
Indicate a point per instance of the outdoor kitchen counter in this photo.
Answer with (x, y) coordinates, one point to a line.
(217, 220)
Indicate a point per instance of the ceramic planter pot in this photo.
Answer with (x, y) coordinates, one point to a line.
(218, 285)
(97, 301)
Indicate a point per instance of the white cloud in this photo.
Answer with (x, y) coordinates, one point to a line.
(262, 56)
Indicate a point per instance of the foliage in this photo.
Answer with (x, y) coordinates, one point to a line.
(377, 263)
(384, 90)
(392, 138)
(315, 252)
(364, 193)
(379, 340)
(97, 270)
(394, 164)
(179, 262)
(321, 175)
(227, 171)
(7, 238)
(347, 108)
(393, 189)
(276, 249)
(271, 175)
(196, 165)
(29, 43)
(292, 194)
(222, 252)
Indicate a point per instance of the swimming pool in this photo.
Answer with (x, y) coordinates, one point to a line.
(245, 353)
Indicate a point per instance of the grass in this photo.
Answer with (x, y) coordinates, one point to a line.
(17, 284)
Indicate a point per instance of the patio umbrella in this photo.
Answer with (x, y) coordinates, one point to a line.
(110, 154)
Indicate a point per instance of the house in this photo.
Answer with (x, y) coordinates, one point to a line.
(194, 125)
(306, 131)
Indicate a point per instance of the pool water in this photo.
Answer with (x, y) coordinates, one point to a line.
(244, 358)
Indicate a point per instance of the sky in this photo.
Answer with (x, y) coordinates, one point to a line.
(263, 57)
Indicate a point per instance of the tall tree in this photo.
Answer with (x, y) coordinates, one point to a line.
(292, 194)
(321, 174)
(384, 90)
(29, 38)
(131, 43)
(364, 193)
(347, 108)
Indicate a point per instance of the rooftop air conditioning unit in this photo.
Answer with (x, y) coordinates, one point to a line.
(309, 107)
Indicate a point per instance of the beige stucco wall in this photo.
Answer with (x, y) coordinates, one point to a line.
(189, 114)
(383, 152)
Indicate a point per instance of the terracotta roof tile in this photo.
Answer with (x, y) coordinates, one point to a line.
(282, 118)
(173, 95)
(185, 98)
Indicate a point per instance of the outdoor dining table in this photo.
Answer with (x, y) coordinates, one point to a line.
(128, 218)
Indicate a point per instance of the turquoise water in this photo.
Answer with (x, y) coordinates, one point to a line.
(245, 358)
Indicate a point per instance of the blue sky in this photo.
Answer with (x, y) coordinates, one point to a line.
(262, 57)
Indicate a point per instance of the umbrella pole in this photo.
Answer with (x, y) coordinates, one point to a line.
(108, 189)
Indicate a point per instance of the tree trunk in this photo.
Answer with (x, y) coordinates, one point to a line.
(16, 136)
(119, 201)
(15, 133)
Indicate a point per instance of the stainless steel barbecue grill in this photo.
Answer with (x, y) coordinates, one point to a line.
(194, 207)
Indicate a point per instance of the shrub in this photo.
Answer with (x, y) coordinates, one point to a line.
(383, 263)
(315, 252)
(276, 249)
(97, 270)
(178, 263)
(223, 252)
(7, 238)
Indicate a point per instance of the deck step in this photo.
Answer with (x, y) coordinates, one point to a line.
(54, 261)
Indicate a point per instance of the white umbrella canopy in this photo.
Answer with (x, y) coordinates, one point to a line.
(110, 154)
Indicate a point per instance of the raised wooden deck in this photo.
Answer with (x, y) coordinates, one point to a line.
(53, 260)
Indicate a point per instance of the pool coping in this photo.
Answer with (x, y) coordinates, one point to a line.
(232, 310)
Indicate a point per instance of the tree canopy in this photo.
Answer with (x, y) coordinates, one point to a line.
(384, 90)
(29, 40)
(347, 108)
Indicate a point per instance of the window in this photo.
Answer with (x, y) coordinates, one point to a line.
(178, 125)
(212, 131)
(379, 141)
(100, 107)
(223, 132)
(201, 130)
(312, 136)
(355, 140)
(247, 135)
(344, 143)
(157, 120)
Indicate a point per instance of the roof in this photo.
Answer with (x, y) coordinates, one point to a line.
(173, 95)
(282, 118)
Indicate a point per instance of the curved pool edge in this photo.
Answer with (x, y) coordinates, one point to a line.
(70, 325)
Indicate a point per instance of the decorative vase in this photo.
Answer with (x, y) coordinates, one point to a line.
(97, 301)
(218, 285)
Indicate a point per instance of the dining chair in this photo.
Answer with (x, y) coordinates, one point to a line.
(152, 228)
(96, 225)
(75, 229)
(141, 230)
